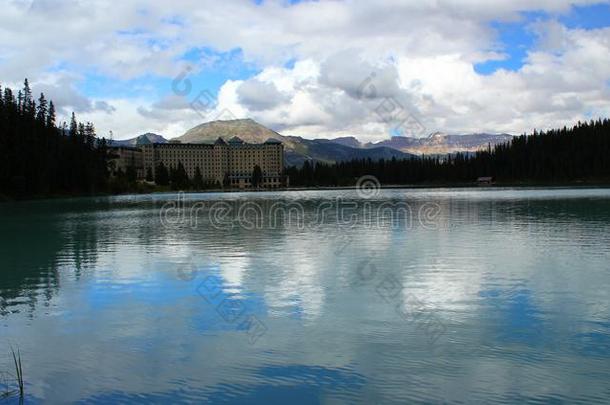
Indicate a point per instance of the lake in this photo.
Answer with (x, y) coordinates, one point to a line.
(385, 296)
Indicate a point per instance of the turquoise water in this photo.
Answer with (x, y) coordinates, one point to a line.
(394, 296)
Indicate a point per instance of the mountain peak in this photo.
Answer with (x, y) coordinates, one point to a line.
(442, 143)
(245, 129)
(143, 139)
(350, 141)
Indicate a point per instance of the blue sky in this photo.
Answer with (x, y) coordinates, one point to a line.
(297, 66)
(229, 66)
(516, 39)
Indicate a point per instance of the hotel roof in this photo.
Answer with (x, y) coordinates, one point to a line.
(273, 140)
(236, 140)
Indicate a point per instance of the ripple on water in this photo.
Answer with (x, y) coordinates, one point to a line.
(501, 299)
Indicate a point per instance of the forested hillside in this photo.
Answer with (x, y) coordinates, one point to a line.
(565, 155)
(39, 158)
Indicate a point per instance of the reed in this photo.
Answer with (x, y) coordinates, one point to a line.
(18, 370)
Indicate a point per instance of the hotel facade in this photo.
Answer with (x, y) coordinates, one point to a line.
(226, 163)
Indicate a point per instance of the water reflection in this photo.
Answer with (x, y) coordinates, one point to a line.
(104, 297)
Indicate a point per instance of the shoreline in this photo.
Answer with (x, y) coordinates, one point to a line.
(457, 186)
(498, 185)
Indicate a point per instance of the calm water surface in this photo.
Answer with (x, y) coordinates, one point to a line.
(465, 296)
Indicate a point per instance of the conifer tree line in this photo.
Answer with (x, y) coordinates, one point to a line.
(568, 154)
(178, 179)
(38, 157)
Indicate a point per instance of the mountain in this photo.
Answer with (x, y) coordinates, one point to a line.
(148, 137)
(248, 130)
(296, 149)
(350, 141)
(324, 150)
(439, 143)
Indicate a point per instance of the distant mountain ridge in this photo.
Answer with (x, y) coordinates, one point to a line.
(437, 143)
(148, 137)
(326, 151)
(298, 150)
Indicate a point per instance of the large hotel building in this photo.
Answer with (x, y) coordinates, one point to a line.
(223, 162)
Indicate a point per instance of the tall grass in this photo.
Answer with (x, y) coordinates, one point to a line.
(18, 370)
(18, 376)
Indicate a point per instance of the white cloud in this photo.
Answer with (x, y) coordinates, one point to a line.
(422, 55)
(259, 96)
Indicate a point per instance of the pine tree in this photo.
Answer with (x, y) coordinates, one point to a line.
(73, 132)
(257, 176)
(27, 92)
(89, 134)
(51, 115)
(81, 132)
(29, 107)
(9, 98)
(161, 175)
(42, 110)
(198, 179)
(178, 177)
